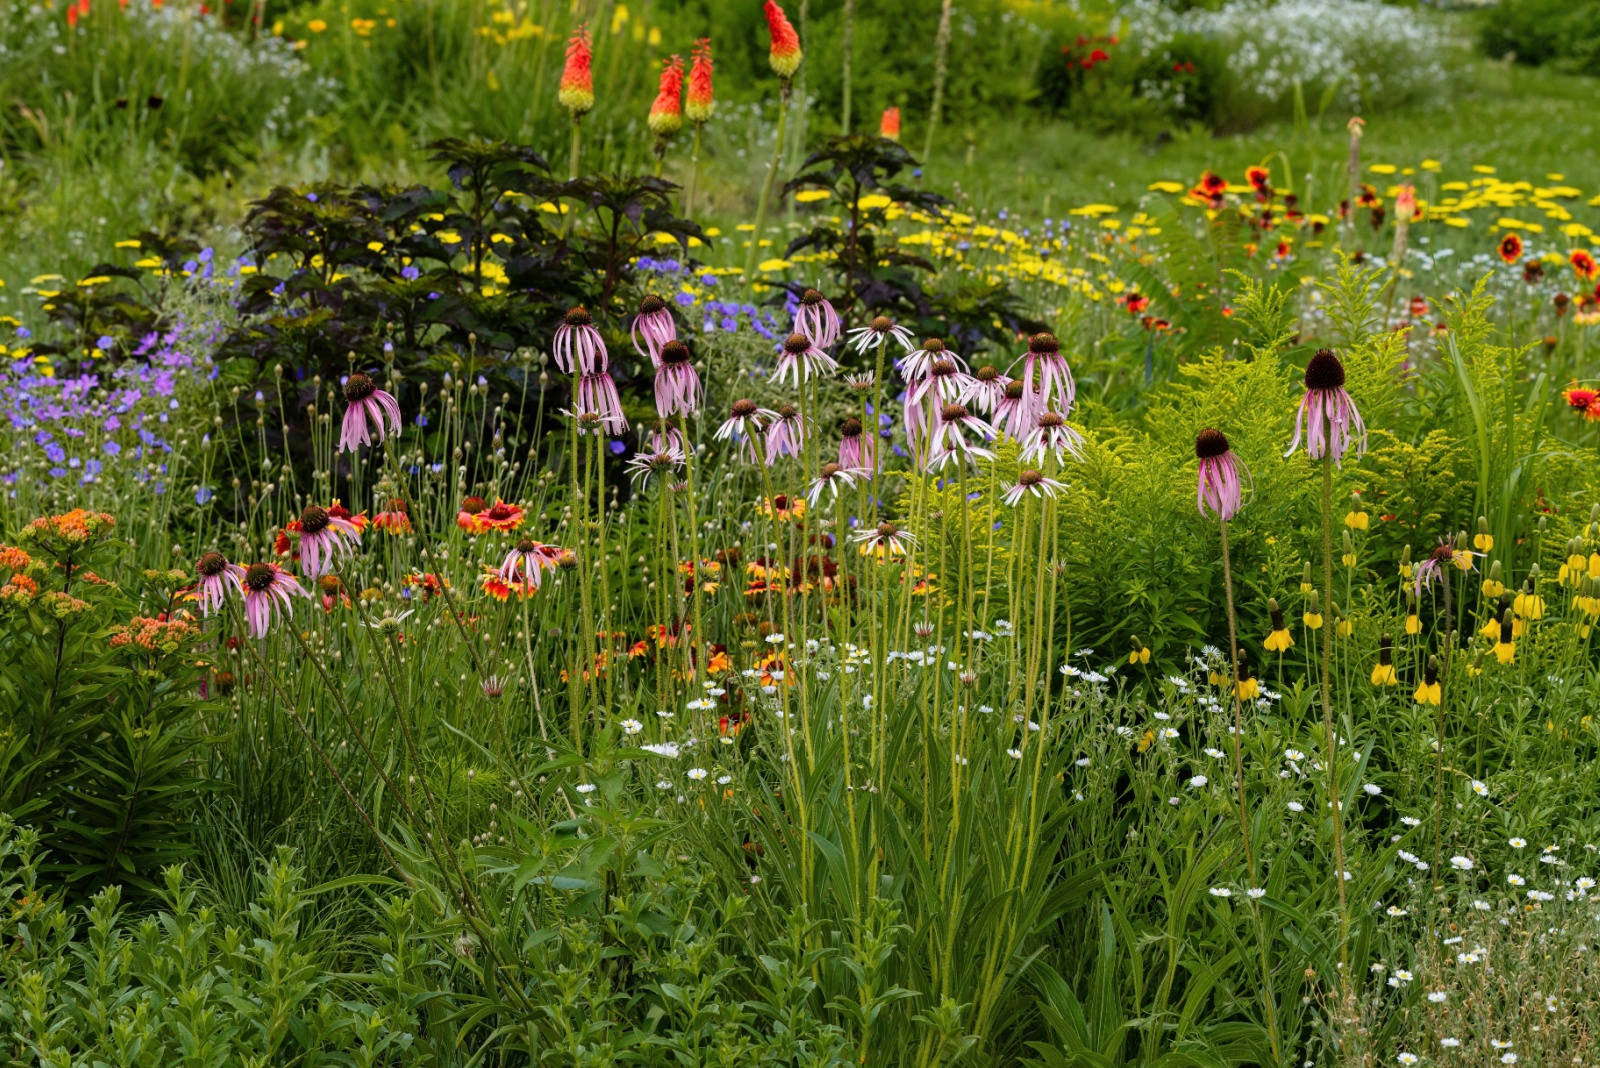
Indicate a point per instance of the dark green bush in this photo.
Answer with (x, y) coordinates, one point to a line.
(1538, 32)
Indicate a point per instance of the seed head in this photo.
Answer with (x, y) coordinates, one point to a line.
(358, 387)
(1209, 444)
(579, 316)
(1043, 342)
(674, 352)
(258, 577)
(1324, 371)
(651, 304)
(211, 564)
(314, 519)
(796, 344)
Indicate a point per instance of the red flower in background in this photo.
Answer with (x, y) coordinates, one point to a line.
(1584, 265)
(1510, 248)
(700, 104)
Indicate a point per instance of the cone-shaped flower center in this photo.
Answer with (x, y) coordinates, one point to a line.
(882, 324)
(795, 344)
(788, 411)
(358, 387)
(314, 519)
(329, 584)
(943, 366)
(811, 298)
(887, 529)
(1043, 343)
(933, 344)
(259, 577)
(211, 564)
(954, 413)
(1386, 650)
(829, 470)
(651, 304)
(744, 409)
(987, 374)
(579, 317)
(501, 510)
(1210, 443)
(850, 428)
(474, 505)
(526, 546)
(675, 352)
(1014, 389)
(1029, 477)
(1051, 420)
(1324, 371)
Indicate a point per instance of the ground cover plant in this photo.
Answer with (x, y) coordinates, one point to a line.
(508, 610)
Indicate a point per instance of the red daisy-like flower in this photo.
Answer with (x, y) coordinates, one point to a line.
(1510, 248)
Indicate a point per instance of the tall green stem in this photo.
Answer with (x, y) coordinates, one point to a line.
(1330, 743)
(766, 186)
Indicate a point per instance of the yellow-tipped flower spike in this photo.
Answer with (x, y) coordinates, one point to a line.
(1246, 689)
(1356, 518)
(1312, 617)
(1413, 621)
(1406, 570)
(1483, 541)
(1305, 579)
(1139, 654)
(1428, 691)
(1384, 674)
(1505, 650)
(1528, 605)
(1493, 586)
(1349, 557)
(1280, 639)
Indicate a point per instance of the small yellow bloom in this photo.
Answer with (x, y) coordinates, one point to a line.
(1384, 675)
(1528, 605)
(1491, 588)
(1343, 628)
(1356, 520)
(1247, 689)
(1505, 652)
(1427, 693)
(1278, 641)
(316, 25)
(1348, 559)
(1483, 542)
(1413, 624)
(1490, 629)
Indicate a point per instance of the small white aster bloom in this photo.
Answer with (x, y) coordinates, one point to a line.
(586, 788)
(1438, 996)
(1407, 1059)
(1221, 891)
(1479, 788)
(1410, 821)
(1014, 754)
(1461, 863)
(1257, 892)
(1515, 880)
(697, 773)
(1449, 1043)
(1518, 843)
(1198, 781)
(1372, 789)
(632, 726)
(1295, 806)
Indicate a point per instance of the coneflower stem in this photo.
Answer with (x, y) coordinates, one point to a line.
(1244, 813)
(766, 186)
(1331, 740)
(1438, 738)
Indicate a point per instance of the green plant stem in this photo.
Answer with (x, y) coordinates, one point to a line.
(766, 185)
(1331, 740)
(941, 55)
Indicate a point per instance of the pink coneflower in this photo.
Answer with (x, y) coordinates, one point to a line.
(834, 477)
(918, 363)
(952, 424)
(653, 326)
(1045, 373)
(1220, 487)
(816, 319)
(1051, 434)
(885, 539)
(658, 465)
(787, 435)
(217, 577)
(367, 405)
(524, 564)
(324, 538)
(1443, 553)
(856, 447)
(745, 424)
(677, 384)
(267, 590)
(1032, 482)
(801, 359)
(663, 435)
(578, 346)
(598, 393)
(985, 390)
(1327, 414)
(881, 329)
(947, 382)
(1013, 412)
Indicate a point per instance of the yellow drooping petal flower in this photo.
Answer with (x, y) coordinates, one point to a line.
(1384, 675)
(1427, 693)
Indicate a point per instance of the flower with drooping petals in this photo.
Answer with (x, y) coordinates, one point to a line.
(216, 578)
(880, 330)
(1220, 487)
(578, 347)
(576, 93)
(598, 393)
(947, 382)
(746, 423)
(661, 464)
(801, 359)
(984, 390)
(1327, 415)
(654, 326)
(833, 478)
(700, 104)
(815, 318)
(952, 423)
(677, 384)
(1013, 411)
(324, 538)
(666, 114)
(1031, 482)
(367, 404)
(787, 434)
(358, 520)
(784, 54)
(1045, 373)
(885, 539)
(525, 564)
(1051, 434)
(889, 125)
(267, 591)
(663, 435)
(856, 448)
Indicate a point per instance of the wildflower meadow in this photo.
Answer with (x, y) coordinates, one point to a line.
(574, 535)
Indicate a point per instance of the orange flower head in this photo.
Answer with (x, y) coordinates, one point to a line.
(1584, 264)
(1405, 205)
(699, 105)
(1510, 248)
(1584, 402)
(666, 114)
(889, 126)
(1260, 178)
(501, 516)
(785, 55)
(577, 79)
